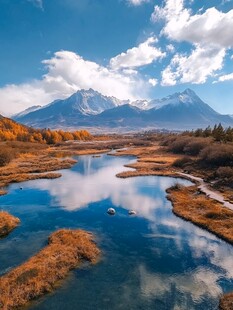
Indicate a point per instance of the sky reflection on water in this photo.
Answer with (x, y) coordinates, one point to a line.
(153, 260)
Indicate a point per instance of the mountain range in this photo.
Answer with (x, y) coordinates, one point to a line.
(90, 109)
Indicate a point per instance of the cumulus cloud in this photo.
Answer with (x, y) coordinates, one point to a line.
(144, 54)
(170, 48)
(195, 68)
(153, 82)
(227, 77)
(210, 33)
(210, 27)
(67, 73)
(137, 2)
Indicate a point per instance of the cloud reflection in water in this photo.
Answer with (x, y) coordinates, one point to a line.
(93, 180)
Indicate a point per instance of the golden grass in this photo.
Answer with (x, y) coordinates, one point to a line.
(151, 160)
(143, 172)
(3, 192)
(154, 166)
(66, 152)
(41, 273)
(205, 212)
(32, 167)
(226, 302)
(91, 152)
(7, 223)
(189, 204)
(228, 195)
(142, 151)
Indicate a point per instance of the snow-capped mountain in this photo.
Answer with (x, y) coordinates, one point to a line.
(80, 105)
(187, 98)
(28, 110)
(88, 108)
(89, 102)
(141, 104)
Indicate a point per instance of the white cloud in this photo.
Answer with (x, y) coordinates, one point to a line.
(170, 48)
(227, 77)
(67, 73)
(195, 68)
(210, 27)
(210, 32)
(137, 2)
(37, 3)
(153, 82)
(144, 54)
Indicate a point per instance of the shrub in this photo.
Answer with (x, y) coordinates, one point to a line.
(5, 156)
(225, 172)
(196, 145)
(217, 155)
(166, 140)
(178, 145)
(182, 162)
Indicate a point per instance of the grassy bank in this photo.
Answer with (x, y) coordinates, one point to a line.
(202, 211)
(226, 302)
(7, 223)
(32, 166)
(40, 274)
(151, 160)
(205, 213)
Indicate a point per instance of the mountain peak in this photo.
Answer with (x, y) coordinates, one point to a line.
(189, 92)
(88, 107)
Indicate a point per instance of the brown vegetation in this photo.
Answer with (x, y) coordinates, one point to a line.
(226, 302)
(152, 160)
(210, 158)
(32, 167)
(7, 223)
(3, 192)
(40, 274)
(191, 205)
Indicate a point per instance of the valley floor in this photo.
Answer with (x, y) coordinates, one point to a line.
(188, 203)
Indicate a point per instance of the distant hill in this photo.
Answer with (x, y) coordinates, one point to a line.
(88, 108)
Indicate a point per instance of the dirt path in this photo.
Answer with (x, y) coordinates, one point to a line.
(203, 186)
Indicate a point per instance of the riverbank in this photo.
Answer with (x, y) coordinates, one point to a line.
(37, 161)
(206, 213)
(202, 211)
(200, 204)
(41, 273)
(226, 302)
(32, 166)
(8, 222)
(152, 159)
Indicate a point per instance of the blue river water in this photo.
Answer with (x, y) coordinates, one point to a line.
(153, 260)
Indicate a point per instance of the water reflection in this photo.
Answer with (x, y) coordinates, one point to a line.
(189, 288)
(153, 260)
(78, 189)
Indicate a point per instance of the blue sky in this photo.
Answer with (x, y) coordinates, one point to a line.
(124, 48)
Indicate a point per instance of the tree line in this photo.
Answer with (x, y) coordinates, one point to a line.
(13, 131)
(218, 132)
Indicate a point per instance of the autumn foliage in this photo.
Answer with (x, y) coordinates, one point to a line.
(13, 131)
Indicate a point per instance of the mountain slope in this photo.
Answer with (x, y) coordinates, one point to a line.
(91, 109)
(77, 107)
(187, 110)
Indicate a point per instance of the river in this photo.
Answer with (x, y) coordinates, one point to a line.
(153, 260)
